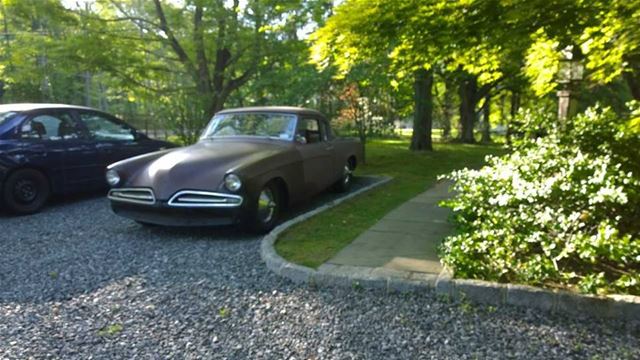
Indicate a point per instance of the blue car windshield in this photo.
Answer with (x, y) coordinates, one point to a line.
(271, 125)
(6, 116)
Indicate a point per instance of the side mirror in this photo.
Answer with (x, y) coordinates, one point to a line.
(137, 135)
(301, 139)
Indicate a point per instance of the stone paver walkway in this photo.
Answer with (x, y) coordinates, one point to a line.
(406, 239)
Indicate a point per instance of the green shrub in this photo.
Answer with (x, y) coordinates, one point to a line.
(532, 123)
(560, 210)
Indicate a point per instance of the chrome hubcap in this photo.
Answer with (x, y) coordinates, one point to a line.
(346, 174)
(266, 205)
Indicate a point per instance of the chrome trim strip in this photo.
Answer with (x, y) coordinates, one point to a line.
(221, 202)
(134, 198)
(188, 199)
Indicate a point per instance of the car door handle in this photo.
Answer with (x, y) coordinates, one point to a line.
(329, 148)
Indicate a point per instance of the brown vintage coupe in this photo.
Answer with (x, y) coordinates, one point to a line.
(249, 164)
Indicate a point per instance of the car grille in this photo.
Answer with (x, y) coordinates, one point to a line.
(133, 195)
(191, 198)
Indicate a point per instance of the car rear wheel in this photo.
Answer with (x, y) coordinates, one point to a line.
(25, 191)
(266, 209)
(344, 184)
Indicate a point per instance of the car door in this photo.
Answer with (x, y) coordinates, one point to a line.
(113, 139)
(54, 140)
(316, 153)
(337, 163)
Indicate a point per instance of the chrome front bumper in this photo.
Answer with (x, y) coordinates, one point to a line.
(204, 199)
(143, 196)
(181, 199)
(184, 208)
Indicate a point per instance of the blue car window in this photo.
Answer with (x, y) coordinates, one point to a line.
(54, 127)
(102, 128)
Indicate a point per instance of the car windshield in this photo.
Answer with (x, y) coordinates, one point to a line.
(6, 116)
(272, 125)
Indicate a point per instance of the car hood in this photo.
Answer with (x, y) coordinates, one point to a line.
(201, 166)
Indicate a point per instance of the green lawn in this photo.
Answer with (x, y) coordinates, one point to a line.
(316, 240)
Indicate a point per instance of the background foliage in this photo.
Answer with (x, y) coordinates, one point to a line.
(560, 209)
(476, 63)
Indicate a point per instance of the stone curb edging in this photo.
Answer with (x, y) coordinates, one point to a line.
(292, 271)
(621, 307)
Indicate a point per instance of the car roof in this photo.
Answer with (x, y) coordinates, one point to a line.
(274, 109)
(20, 107)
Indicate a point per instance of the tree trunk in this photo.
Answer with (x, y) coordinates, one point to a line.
(423, 110)
(362, 134)
(1, 91)
(468, 101)
(486, 124)
(515, 106)
(632, 75)
(448, 108)
(633, 81)
(213, 85)
(104, 104)
(87, 88)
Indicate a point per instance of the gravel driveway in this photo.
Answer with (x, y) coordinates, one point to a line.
(78, 282)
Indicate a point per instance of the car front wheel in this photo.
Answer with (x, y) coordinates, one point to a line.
(25, 191)
(266, 209)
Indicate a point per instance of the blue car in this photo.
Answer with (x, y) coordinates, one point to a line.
(48, 149)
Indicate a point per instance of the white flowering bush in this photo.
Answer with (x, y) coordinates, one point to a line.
(563, 210)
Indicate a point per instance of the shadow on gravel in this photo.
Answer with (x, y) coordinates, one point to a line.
(78, 245)
(59, 201)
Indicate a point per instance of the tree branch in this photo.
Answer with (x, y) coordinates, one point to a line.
(141, 84)
(241, 80)
(486, 88)
(127, 18)
(173, 41)
(135, 19)
(204, 82)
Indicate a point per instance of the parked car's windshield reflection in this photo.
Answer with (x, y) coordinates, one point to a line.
(280, 126)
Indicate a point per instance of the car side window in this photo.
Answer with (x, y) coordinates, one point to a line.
(311, 130)
(102, 128)
(54, 127)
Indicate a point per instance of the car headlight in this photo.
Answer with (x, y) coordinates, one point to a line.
(112, 177)
(232, 182)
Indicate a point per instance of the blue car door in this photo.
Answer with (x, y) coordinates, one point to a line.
(53, 140)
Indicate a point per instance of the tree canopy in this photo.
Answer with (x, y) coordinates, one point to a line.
(172, 64)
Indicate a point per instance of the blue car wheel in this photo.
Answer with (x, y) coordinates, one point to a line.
(25, 191)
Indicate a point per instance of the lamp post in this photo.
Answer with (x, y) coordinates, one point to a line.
(571, 71)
